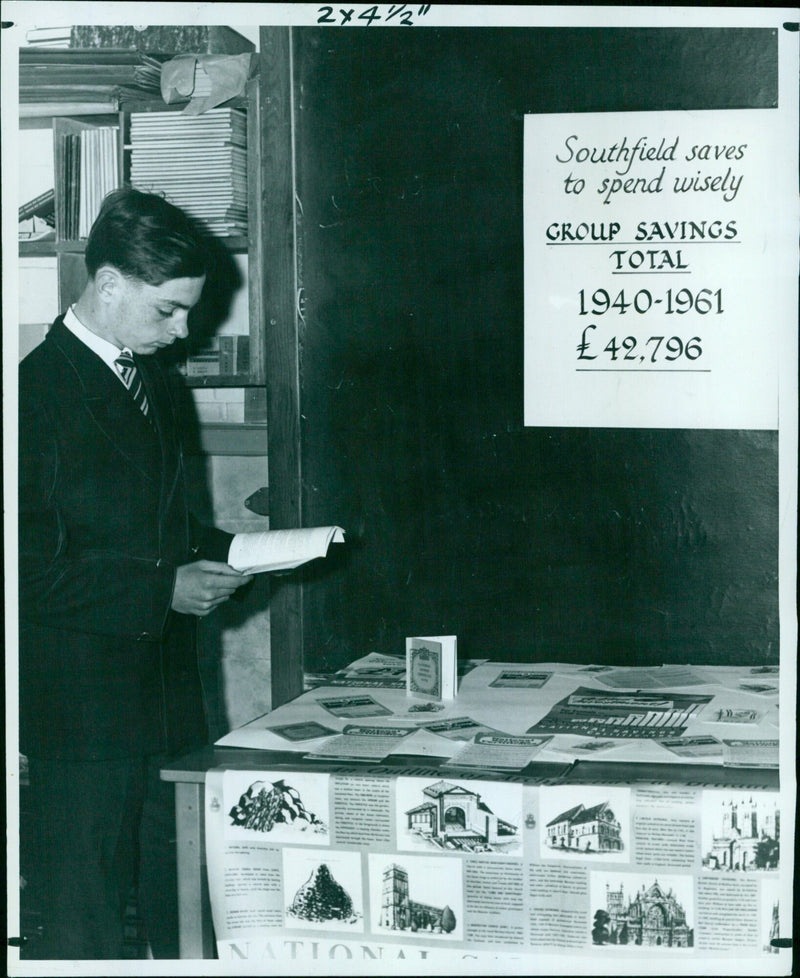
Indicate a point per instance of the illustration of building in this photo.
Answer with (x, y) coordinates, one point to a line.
(399, 912)
(749, 837)
(774, 929)
(457, 818)
(651, 917)
(584, 829)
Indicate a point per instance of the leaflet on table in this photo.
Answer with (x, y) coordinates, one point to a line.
(353, 706)
(750, 753)
(356, 680)
(286, 729)
(520, 679)
(730, 715)
(376, 670)
(759, 688)
(456, 728)
(584, 748)
(499, 751)
(703, 745)
(596, 712)
(658, 677)
(273, 550)
(430, 867)
(302, 731)
(363, 742)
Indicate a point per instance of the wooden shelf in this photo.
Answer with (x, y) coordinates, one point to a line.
(49, 247)
(234, 242)
(221, 380)
(76, 247)
(41, 115)
(38, 247)
(231, 438)
(157, 105)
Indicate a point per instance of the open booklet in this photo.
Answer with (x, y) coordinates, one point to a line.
(275, 550)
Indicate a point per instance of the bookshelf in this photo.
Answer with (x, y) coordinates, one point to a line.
(103, 141)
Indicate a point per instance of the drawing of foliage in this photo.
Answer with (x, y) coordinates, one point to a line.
(264, 805)
(321, 898)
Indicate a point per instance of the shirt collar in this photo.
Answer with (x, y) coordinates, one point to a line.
(107, 352)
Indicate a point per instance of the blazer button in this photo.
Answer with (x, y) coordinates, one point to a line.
(145, 637)
(160, 562)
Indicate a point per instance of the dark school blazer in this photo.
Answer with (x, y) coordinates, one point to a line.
(106, 669)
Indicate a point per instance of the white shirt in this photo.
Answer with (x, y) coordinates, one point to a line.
(107, 352)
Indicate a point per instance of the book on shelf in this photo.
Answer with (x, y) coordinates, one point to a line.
(206, 364)
(42, 55)
(35, 229)
(221, 356)
(48, 36)
(76, 145)
(43, 206)
(87, 168)
(234, 354)
(46, 110)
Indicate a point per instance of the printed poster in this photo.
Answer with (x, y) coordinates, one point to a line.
(658, 268)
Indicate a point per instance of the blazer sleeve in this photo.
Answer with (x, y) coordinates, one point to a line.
(209, 542)
(215, 544)
(100, 592)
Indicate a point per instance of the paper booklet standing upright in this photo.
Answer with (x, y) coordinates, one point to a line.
(275, 550)
(431, 666)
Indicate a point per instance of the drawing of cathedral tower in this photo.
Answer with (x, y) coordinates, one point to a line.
(774, 930)
(394, 898)
(614, 899)
(740, 818)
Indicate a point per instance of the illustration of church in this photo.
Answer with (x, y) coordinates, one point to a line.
(584, 829)
(749, 837)
(652, 917)
(455, 817)
(774, 930)
(399, 912)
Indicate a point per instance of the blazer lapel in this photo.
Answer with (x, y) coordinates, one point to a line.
(109, 404)
(156, 386)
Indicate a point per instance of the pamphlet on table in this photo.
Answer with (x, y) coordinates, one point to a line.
(431, 667)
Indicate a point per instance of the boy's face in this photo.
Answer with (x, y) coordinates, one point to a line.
(145, 317)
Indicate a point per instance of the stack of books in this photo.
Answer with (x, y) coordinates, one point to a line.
(88, 170)
(78, 76)
(199, 162)
(51, 37)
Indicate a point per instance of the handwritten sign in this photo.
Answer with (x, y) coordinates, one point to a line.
(657, 268)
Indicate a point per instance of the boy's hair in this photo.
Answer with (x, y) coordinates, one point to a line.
(146, 238)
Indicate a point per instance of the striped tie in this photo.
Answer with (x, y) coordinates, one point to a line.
(126, 368)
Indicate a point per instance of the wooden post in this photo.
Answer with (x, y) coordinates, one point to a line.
(279, 290)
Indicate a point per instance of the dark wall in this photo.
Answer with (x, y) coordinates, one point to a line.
(623, 546)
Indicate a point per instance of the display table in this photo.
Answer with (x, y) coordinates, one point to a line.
(432, 859)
